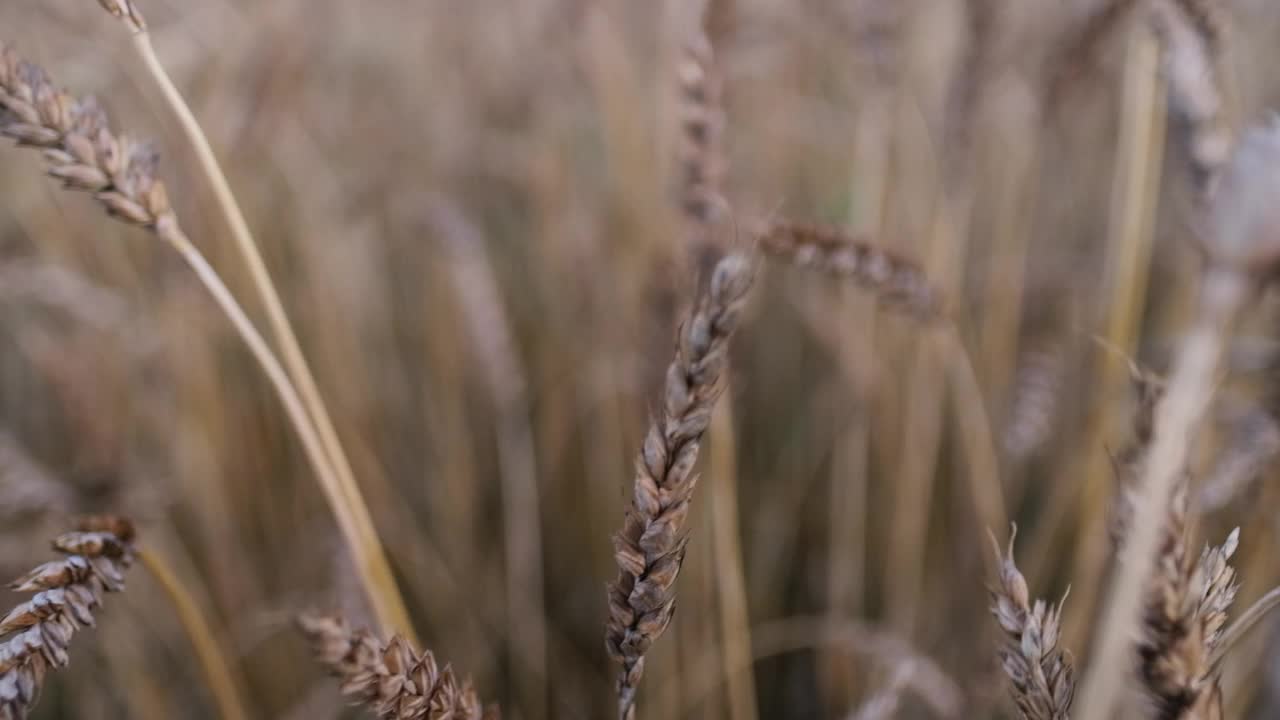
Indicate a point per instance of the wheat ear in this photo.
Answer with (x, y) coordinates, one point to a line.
(67, 593)
(1182, 622)
(391, 679)
(120, 173)
(1042, 673)
(650, 547)
(1194, 34)
(898, 283)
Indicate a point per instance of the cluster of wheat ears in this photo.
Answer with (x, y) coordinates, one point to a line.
(1164, 623)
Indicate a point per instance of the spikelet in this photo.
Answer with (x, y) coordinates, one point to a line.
(79, 146)
(650, 547)
(391, 679)
(67, 592)
(897, 282)
(1041, 672)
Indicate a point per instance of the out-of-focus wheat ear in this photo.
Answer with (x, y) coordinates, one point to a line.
(1241, 245)
(650, 547)
(1041, 673)
(392, 680)
(485, 319)
(1194, 36)
(1252, 445)
(68, 592)
(1037, 390)
(701, 158)
(897, 282)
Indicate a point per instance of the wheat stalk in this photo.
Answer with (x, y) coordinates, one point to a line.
(391, 679)
(67, 594)
(650, 547)
(120, 173)
(387, 602)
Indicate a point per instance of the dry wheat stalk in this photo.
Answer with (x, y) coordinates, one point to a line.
(1041, 672)
(896, 281)
(67, 592)
(391, 679)
(121, 173)
(650, 547)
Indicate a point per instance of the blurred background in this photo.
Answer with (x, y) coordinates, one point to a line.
(467, 207)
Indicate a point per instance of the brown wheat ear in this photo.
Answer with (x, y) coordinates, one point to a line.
(1182, 623)
(650, 548)
(1042, 673)
(79, 146)
(391, 679)
(897, 282)
(68, 591)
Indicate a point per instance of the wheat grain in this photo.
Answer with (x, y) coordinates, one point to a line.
(391, 679)
(650, 547)
(67, 593)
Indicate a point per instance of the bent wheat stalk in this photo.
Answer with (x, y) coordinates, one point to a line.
(120, 173)
(651, 545)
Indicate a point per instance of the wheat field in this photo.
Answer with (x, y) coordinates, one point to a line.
(568, 359)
